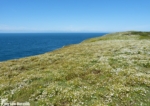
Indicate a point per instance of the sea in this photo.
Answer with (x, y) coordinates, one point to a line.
(19, 45)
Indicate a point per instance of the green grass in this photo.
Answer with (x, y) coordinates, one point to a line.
(110, 70)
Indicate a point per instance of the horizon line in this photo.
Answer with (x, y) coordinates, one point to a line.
(76, 32)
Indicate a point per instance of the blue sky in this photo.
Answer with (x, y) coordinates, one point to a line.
(74, 15)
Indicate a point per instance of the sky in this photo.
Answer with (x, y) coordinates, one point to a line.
(74, 15)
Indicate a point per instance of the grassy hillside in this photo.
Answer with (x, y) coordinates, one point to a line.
(110, 70)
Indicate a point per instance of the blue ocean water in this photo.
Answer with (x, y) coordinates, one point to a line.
(18, 45)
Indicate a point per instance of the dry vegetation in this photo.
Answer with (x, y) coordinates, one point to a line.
(111, 70)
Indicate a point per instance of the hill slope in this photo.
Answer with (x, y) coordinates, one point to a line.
(109, 70)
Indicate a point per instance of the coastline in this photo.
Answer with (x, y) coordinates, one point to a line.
(23, 45)
(99, 69)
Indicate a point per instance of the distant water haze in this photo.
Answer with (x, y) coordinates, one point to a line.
(19, 45)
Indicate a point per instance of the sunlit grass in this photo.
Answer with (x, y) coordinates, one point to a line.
(109, 70)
